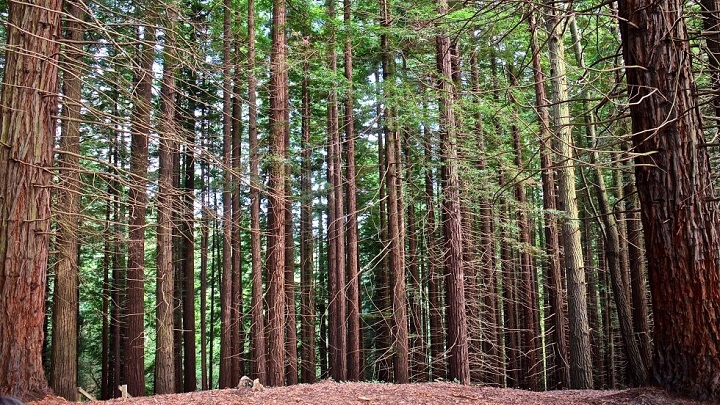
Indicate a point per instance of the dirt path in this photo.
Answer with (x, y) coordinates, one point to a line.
(332, 393)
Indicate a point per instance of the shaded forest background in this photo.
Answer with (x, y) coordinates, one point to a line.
(362, 190)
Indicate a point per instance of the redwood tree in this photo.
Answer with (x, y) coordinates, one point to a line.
(27, 119)
(678, 208)
(63, 373)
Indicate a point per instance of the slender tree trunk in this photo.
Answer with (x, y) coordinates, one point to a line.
(354, 344)
(204, 242)
(487, 299)
(396, 244)
(238, 332)
(436, 362)
(679, 214)
(257, 328)
(611, 233)
(529, 346)
(29, 105)
(459, 368)
(307, 304)
(165, 289)
(138, 202)
(63, 371)
(291, 366)
(336, 227)
(382, 284)
(275, 261)
(638, 282)
(580, 350)
(226, 283)
(556, 292)
(188, 263)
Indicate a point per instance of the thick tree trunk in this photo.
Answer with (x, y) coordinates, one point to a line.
(459, 367)
(164, 354)
(204, 242)
(275, 259)
(580, 350)
(679, 212)
(63, 371)
(28, 110)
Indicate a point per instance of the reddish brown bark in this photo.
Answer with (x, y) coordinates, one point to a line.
(140, 131)
(459, 367)
(63, 371)
(354, 344)
(225, 380)
(678, 208)
(559, 347)
(275, 259)
(257, 328)
(28, 110)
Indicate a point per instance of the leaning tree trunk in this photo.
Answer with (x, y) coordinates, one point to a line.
(678, 208)
(560, 377)
(27, 122)
(580, 350)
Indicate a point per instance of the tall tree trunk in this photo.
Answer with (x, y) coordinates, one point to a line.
(382, 283)
(611, 232)
(257, 328)
(226, 283)
(165, 289)
(526, 295)
(275, 252)
(580, 350)
(188, 264)
(238, 332)
(63, 371)
(354, 344)
(307, 304)
(459, 367)
(204, 242)
(487, 299)
(678, 207)
(336, 227)
(29, 105)
(554, 283)
(437, 366)
(396, 244)
(140, 122)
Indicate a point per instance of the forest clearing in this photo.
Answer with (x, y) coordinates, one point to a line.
(438, 393)
(516, 196)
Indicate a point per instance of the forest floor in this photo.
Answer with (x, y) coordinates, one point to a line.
(332, 393)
